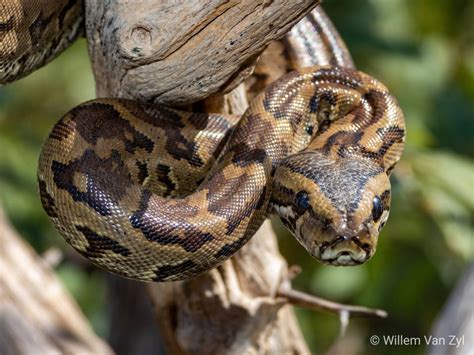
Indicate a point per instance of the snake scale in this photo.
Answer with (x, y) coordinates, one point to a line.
(157, 194)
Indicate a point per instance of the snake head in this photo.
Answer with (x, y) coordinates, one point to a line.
(334, 208)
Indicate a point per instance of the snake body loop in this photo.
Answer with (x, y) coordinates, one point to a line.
(33, 32)
(156, 194)
(328, 133)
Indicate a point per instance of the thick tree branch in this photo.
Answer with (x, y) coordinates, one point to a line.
(179, 52)
(37, 316)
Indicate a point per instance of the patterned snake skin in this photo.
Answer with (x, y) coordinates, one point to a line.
(33, 32)
(156, 194)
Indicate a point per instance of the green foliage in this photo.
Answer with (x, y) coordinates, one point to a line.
(422, 50)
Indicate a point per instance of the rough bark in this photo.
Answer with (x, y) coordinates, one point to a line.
(179, 52)
(37, 316)
(232, 309)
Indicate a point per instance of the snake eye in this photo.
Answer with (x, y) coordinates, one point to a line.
(377, 209)
(301, 202)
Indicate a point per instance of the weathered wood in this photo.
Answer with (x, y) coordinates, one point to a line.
(37, 316)
(179, 52)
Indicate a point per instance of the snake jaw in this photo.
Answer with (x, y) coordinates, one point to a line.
(341, 252)
(337, 246)
(350, 247)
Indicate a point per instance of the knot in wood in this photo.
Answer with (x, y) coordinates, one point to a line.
(141, 37)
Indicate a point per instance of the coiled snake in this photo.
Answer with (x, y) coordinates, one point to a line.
(156, 194)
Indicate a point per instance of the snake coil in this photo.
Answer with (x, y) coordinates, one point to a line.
(156, 194)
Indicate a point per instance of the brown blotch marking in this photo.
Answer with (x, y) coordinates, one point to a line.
(162, 175)
(172, 123)
(158, 116)
(250, 208)
(281, 107)
(347, 175)
(244, 155)
(80, 181)
(107, 183)
(317, 100)
(6, 26)
(179, 147)
(377, 101)
(241, 208)
(230, 249)
(191, 243)
(342, 139)
(142, 171)
(394, 133)
(249, 139)
(389, 136)
(64, 11)
(38, 27)
(156, 228)
(99, 120)
(47, 200)
(163, 273)
(199, 120)
(218, 150)
(62, 129)
(99, 244)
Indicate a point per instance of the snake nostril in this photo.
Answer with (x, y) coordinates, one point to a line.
(366, 247)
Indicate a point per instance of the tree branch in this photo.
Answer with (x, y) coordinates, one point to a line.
(305, 300)
(181, 52)
(37, 316)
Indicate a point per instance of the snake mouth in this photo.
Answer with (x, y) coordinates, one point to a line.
(344, 251)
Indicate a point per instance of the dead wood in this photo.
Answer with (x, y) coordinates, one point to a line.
(37, 316)
(179, 52)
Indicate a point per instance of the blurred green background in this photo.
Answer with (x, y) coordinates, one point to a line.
(423, 51)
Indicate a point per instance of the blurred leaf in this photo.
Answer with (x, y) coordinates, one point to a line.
(446, 183)
(339, 283)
